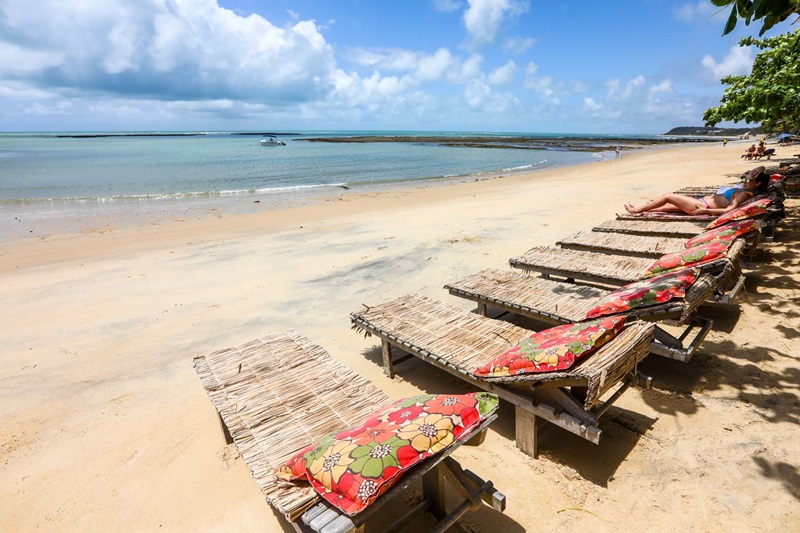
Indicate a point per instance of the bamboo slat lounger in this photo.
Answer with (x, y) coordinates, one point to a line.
(617, 270)
(277, 394)
(621, 244)
(558, 302)
(775, 212)
(458, 342)
(685, 229)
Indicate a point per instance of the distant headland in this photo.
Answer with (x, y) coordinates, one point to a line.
(714, 132)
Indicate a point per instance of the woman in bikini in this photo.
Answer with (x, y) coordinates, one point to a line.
(724, 200)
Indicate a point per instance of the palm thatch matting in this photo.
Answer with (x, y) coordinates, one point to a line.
(617, 243)
(277, 395)
(682, 229)
(463, 341)
(581, 264)
(665, 217)
(458, 342)
(607, 269)
(559, 302)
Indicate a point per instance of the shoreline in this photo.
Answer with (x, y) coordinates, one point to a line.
(203, 215)
(103, 416)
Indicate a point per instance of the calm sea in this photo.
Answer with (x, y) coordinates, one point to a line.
(52, 175)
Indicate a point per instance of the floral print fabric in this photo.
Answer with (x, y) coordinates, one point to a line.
(352, 467)
(553, 349)
(653, 291)
(725, 234)
(693, 256)
(751, 210)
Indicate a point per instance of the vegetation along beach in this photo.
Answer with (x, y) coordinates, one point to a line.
(163, 203)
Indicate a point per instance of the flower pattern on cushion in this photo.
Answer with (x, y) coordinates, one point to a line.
(354, 466)
(653, 291)
(726, 233)
(697, 255)
(751, 210)
(552, 349)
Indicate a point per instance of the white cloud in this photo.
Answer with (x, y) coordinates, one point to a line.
(483, 18)
(623, 91)
(447, 5)
(480, 98)
(663, 87)
(502, 75)
(698, 11)
(738, 61)
(542, 85)
(434, 67)
(590, 105)
(441, 65)
(187, 49)
(518, 45)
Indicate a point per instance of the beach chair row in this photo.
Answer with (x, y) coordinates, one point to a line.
(270, 416)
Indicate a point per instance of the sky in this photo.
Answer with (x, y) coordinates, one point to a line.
(572, 66)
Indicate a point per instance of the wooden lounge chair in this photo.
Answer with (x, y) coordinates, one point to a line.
(558, 302)
(620, 244)
(458, 341)
(618, 270)
(277, 394)
(630, 223)
(685, 229)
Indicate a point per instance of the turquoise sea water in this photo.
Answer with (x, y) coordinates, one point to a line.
(54, 167)
(55, 182)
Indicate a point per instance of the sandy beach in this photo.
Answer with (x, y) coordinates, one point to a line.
(106, 427)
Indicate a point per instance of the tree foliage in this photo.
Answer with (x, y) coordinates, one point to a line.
(770, 95)
(770, 11)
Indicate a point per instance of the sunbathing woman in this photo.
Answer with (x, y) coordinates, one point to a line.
(725, 199)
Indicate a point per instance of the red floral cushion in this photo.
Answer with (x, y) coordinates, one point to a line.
(653, 291)
(553, 349)
(759, 207)
(726, 233)
(352, 467)
(693, 256)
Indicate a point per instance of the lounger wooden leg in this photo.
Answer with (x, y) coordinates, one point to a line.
(225, 432)
(433, 491)
(526, 432)
(388, 364)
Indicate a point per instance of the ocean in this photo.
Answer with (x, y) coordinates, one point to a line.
(54, 176)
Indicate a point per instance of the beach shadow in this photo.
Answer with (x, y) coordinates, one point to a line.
(787, 474)
(596, 463)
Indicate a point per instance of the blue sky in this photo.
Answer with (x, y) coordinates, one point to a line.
(628, 66)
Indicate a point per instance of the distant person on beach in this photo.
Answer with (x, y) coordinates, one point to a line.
(750, 153)
(724, 142)
(724, 200)
(616, 151)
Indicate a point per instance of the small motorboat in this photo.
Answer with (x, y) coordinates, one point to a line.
(271, 141)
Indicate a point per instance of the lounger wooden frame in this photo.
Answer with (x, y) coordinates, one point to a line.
(558, 302)
(618, 270)
(653, 228)
(622, 244)
(458, 341)
(277, 394)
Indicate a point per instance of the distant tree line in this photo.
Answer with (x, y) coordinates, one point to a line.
(716, 132)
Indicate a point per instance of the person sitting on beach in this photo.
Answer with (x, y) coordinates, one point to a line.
(768, 153)
(724, 200)
(750, 153)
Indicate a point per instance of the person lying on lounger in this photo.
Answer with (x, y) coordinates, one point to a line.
(724, 200)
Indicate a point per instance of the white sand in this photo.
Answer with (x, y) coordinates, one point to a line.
(105, 425)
